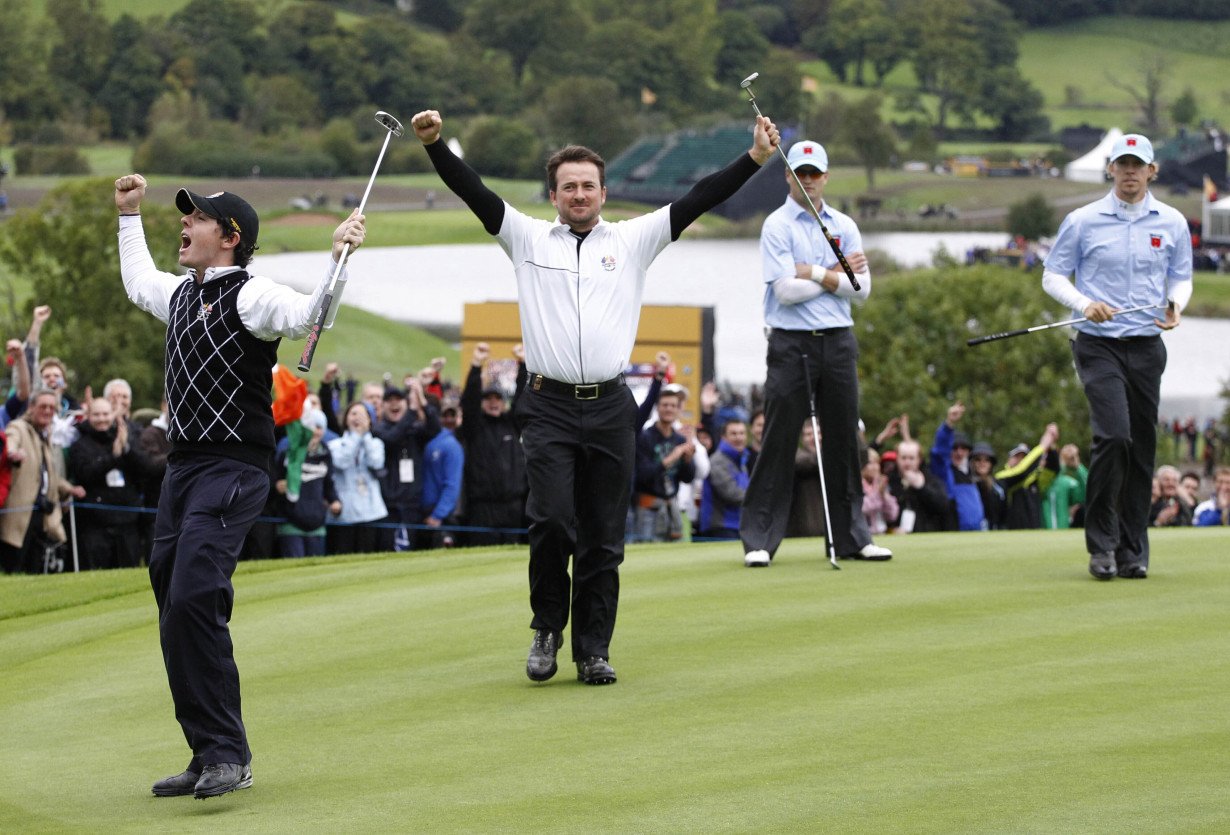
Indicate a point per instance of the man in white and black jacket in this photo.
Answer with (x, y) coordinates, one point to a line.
(579, 285)
(223, 328)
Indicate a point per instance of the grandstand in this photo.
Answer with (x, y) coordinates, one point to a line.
(658, 170)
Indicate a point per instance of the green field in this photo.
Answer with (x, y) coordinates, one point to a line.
(977, 683)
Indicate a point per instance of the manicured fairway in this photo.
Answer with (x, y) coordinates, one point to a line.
(977, 683)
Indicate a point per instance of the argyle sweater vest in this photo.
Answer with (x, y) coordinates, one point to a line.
(219, 377)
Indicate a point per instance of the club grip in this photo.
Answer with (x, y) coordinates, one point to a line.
(313, 337)
(841, 257)
(978, 340)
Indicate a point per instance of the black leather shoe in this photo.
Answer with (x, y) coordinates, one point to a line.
(220, 778)
(177, 786)
(1102, 565)
(595, 670)
(1133, 571)
(541, 665)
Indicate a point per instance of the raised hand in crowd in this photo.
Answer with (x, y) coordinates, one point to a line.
(709, 397)
(437, 364)
(331, 372)
(955, 412)
(518, 352)
(482, 352)
(903, 427)
(662, 362)
(41, 314)
(890, 429)
(1050, 436)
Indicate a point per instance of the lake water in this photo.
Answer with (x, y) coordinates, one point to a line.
(431, 284)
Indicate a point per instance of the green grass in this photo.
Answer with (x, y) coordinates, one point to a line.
(978, 683)
(1083, 54)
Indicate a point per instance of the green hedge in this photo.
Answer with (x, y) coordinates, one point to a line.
(34, 160)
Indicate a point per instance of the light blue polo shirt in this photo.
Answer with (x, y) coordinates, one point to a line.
(1124, 262)
(791, 235)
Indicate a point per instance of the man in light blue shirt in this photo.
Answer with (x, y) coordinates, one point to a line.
(807, 308)
(1126, 250)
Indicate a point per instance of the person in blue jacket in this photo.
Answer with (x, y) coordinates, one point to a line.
(950, 462)
(443, 465)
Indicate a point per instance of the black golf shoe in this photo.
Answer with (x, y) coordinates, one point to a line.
(1133, 571)
(220, 778)
(595, 670)
(541, 665)
(1102, 565)
(178, 786)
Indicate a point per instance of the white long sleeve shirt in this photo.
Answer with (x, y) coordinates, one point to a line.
(267, 309)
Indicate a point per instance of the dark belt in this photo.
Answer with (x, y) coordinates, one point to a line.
(577, 391)
(824, 332)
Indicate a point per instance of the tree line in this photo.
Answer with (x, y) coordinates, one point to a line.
(288, 79)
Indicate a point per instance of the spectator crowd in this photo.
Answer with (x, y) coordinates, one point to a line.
(421, 465)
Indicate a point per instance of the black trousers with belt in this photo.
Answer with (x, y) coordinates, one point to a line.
(1122, 380)
(833, 359)
(207, 505)
(579, 458)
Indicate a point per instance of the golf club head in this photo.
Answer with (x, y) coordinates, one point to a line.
(388, 123)
(747, 82)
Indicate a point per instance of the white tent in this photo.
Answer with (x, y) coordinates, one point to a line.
(1091, 168)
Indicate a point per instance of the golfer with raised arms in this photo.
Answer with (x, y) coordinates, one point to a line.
(1127, 249)
(807, 308)
(579, 284)
(223, 328)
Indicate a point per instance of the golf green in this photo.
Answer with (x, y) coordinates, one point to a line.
(976, 683)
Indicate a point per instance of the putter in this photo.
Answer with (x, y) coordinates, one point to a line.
(978, 340)
(746, 84)
(321, 316)
(815, 437)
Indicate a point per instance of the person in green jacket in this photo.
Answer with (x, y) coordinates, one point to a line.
(1063, 506)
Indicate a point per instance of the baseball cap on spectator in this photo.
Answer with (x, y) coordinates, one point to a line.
(961, 439)
(676, 389)
(983, 448)
(1020, 449)
(231, 211)
(888, 455)
(493, 391)
(808, 153)
(1132, 145)
(392, 391)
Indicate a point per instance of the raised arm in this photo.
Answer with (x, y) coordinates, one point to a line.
(712, 190)
(460, 178)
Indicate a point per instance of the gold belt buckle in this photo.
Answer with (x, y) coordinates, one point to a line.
(586, 391)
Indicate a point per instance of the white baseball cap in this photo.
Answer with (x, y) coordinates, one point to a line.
(808, 153)
(1132, 145)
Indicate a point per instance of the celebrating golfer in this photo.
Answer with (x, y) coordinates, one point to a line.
(223, 328)
(1127, 249)
(579, 283)
(807, 307)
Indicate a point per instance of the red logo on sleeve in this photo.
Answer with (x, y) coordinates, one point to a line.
(1155, 241)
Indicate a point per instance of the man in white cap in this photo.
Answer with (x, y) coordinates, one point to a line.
(1126, 250)
(807, 307)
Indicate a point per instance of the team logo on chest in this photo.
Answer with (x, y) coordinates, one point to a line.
(203, 313)
(1155, 241)
(608, 262)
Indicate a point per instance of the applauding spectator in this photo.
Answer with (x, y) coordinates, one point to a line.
(1216, 511)
(357, 458)
(1172, 508)
(303, 532)
(921, 497)
(879, 504)
(104, 461)
(663, 461)
(722, 502)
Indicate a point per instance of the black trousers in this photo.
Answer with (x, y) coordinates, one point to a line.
(205, 510)
(1122, 380)
(579, 458)
(833, 360)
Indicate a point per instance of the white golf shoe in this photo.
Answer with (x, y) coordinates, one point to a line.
(873, 552)
(756, 559)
